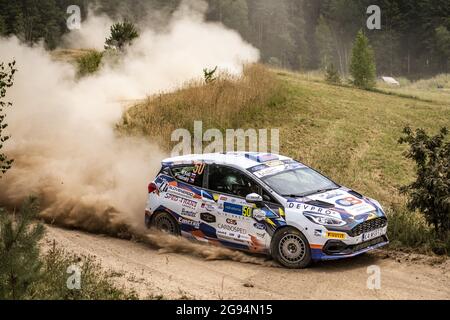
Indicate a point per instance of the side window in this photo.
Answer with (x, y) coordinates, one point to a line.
(192, 174)
(231, 181)
(267, 197)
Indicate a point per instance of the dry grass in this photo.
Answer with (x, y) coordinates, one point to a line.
(69, 55)
(228, 102)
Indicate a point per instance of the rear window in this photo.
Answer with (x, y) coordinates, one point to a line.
(191, 174)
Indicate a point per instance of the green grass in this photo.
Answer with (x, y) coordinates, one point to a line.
(350, 135)
(434, 89)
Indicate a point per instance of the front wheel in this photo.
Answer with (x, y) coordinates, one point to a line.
(164, 222)
(291, 249)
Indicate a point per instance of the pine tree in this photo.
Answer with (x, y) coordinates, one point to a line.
(362, 66)
(19, 251)
(122, 33)
(6, 81)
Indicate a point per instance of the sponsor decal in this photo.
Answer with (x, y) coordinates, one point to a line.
(180, 191)
(275, 163)
(232, 228)
(208, 217)
(307, 207)
(188, 222)
(188, 213)
(269, 171)
(164, 186)
(184, 202)
(260, 226)
(221, 233)
(232, 208)
(231, 221)
(331, 195)
(257, 168)
(261, 235)
(336, 235)
(207, 207)
(348, 202)
(223, 198)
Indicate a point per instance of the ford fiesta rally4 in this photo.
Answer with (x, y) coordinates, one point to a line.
(264, 203)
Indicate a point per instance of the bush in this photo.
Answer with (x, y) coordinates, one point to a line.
(122, 34)
(408, 229)
(362, 66)
(96, 284)
(430, 193)
(89, 63)
(332, 75)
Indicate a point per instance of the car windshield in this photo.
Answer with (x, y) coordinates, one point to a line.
(299, 182)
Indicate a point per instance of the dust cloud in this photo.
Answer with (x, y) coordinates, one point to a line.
(66, 150)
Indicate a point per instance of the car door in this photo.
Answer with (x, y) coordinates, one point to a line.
(183, 195)
(235, 223)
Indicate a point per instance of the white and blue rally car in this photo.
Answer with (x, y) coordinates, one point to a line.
(264, 203)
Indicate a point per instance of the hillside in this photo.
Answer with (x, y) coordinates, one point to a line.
(349, 134)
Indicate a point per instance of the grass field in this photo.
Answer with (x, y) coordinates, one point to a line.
(349, 134)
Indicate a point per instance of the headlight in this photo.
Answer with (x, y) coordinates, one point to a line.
(324, 220)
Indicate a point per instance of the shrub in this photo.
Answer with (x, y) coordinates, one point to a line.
(332, 75)
(430, 193)
(96, 284)
(89, 63)
(362, 66)
(209, 75)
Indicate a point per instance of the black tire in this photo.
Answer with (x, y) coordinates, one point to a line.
(164, 222)
(291, 249)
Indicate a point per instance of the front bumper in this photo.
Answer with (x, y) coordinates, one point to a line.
(336, 249)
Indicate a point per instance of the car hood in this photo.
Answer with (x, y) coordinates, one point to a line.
(342, 203)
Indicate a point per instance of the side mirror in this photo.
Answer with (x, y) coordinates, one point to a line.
(254, 198)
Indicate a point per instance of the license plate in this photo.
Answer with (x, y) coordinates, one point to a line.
(372, 234)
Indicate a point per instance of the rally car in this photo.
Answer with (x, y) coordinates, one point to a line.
(263, 203)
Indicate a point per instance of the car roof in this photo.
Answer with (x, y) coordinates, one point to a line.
(243, 160)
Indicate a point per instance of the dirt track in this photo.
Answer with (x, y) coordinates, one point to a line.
(172, 275)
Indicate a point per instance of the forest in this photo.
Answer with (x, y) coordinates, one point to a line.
(414, 39)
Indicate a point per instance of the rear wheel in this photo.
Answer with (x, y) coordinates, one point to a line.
(164, 222)
(291, 249)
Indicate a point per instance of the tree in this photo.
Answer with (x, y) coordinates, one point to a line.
(122, 34)
(442, 45)
(6, 81)
(19, 251)
(362, 66)
(430, 193)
